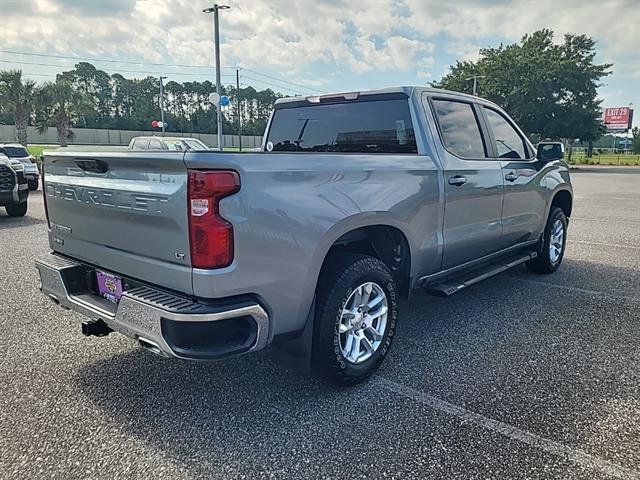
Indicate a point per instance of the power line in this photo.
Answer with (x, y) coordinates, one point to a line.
(279, 79)
(49, 75)
(284, 81)
(119, 70)
(48, 55)
(271, 84)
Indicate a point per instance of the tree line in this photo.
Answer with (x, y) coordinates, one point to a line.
(91, 98)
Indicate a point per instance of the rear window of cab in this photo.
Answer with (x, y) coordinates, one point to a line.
(375, 126)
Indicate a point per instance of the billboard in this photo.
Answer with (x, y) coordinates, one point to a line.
(619, 118)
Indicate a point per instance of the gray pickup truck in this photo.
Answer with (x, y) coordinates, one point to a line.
(355, 200)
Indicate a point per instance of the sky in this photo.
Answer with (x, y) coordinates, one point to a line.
(311, 46)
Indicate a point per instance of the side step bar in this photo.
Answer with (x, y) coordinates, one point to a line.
(455, 284)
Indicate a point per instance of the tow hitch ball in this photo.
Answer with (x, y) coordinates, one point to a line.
(96, 328)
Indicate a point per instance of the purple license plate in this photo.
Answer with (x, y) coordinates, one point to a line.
(109, 286)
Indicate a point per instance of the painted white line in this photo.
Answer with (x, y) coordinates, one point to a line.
(604, 244)
(575, 289)
(467, 416)
(604, 220)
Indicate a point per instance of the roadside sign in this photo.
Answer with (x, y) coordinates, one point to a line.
(619, 118)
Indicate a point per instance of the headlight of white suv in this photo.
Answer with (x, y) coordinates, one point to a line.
(17, 167)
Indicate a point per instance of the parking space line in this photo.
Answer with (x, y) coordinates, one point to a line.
(576, 289)
(606, 244)
(605, 220)
(550, 446)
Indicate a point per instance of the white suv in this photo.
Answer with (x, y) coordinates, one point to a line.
(15, 151)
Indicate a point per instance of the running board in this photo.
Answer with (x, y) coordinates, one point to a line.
(455, 284)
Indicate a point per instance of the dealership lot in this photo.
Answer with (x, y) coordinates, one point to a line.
(521, 376)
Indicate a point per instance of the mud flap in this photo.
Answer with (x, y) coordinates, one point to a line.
(296, 353)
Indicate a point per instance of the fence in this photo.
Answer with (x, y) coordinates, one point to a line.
(604, 159)
(96, 136)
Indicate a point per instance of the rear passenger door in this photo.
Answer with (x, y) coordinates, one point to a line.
(473, 184)
(524, 193)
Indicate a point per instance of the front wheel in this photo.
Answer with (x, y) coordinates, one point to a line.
(355, 320)
(17, 209)
(552, 244)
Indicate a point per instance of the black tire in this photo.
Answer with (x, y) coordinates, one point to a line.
(544, 263)
(16, 209)
(33, 184)
(345, 273)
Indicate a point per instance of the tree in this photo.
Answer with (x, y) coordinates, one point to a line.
(96, 85)
(60, 105)
(17, 97)
(549, 89)
(636, 140)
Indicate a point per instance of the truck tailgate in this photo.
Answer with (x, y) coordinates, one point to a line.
(125, 212)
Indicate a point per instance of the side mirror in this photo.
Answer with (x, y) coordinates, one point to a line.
(548, 151)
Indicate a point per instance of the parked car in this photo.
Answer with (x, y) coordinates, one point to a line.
(356, 200)
(14, 189)
(16, 151)
(166, 143)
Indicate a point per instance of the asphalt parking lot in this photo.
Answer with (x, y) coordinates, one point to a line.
(521, 376)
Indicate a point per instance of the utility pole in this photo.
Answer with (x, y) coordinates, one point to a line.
(216, 32)
(475, 82)
(162, 104)
(238, 108)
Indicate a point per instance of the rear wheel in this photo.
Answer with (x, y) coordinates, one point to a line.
(33, 184)
(17, 209)
(552, 244)
(356, 318)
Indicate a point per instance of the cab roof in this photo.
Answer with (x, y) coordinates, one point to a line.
(403, 90)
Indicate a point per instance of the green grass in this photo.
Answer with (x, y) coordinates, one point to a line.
(604, 159)
(36, 150)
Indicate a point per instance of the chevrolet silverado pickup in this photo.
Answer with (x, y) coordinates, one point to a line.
(354, 200)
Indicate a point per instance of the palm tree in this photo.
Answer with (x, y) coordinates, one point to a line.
(61, 105)
(17, 97)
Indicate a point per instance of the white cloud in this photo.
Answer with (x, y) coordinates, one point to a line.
(464, 50)
(291, 37)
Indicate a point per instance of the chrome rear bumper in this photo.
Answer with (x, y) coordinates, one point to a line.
(152, 316)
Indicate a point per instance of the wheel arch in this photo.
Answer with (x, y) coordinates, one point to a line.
(562, 198)
(379, 238)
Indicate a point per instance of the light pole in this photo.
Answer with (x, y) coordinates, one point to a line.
(238, 104)
(162, 104)
(475, 81)
(216, 32)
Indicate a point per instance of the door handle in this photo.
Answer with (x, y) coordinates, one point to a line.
(457, 180)
(511, 177)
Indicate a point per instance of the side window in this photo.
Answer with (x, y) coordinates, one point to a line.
(155, 144)
(140, 144)
(509, 143)
(459, 128)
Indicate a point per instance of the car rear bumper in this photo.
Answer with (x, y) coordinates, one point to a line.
(167, 324)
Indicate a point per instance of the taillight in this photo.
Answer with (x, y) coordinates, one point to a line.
(210, 235)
